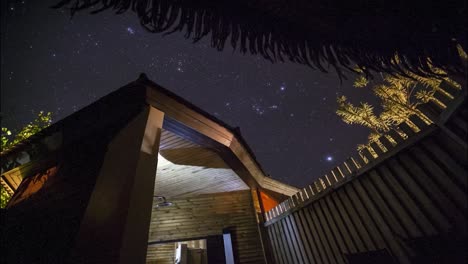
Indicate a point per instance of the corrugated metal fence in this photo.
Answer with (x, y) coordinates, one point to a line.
(399, 199)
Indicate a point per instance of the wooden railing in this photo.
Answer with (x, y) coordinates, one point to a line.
(408, 187)
(446, 100)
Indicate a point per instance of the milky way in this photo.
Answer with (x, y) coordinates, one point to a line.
(285, 111)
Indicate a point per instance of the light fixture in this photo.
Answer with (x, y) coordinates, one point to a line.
(161, 202)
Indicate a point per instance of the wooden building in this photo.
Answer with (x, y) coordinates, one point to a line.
(142, 175)
(130, 177)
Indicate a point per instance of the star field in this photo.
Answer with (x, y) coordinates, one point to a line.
(285, 111)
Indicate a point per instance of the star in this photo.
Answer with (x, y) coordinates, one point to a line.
(130, 30)
(258, 109)
(292, 106)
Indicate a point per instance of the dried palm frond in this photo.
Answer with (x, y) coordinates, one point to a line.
(378, 36)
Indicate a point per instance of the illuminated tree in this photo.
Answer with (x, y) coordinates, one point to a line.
(362, 115)
(10, 139)
(399, 97)
(4, 197)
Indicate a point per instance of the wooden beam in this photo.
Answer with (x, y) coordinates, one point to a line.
(116, 222)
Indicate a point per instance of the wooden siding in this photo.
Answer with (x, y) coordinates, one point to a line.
(161, 253)
(207, 215)
(11, 180)
(398, 206)
(421, 192)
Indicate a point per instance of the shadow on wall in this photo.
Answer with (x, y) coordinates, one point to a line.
(32, 185)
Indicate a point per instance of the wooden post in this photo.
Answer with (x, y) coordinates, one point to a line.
(115, 226)
(263, 235)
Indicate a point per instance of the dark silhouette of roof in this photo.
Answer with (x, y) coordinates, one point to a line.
(124, 93)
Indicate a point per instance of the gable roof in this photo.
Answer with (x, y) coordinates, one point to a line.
(180, 117)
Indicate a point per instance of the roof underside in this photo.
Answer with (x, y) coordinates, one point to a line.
(188, 169)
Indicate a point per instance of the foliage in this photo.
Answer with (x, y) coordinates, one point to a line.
(42, 121)
(423, 33)
(360, 82)
(462, 53)
(362, 115)
(399, 97)
(5, 134)
(4, 197)
(10, 139)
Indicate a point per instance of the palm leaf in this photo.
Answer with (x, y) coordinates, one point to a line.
(383, 36)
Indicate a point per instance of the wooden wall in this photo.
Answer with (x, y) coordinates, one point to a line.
(207, 215)
(43, 217)
(161, 253)
(409, 205)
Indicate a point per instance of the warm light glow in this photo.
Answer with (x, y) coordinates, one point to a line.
(267, 201)
(31, 185)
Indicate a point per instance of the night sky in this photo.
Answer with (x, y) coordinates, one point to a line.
(286, 112)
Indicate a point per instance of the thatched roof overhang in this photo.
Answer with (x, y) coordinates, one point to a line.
(330, 34)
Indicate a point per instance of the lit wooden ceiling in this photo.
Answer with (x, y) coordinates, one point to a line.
(186, 169)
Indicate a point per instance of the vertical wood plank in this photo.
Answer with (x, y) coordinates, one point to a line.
(303, 237)
(329, 235)
(349, 243)
(323, 240)
(349, 224)
(399, 209)
(380, 223)
(284, 243)
(405, 199)
(280, 244)
(440, 176)
(424, 190)
(274, 246)
(456, 169)
(357, 222)
(299, 241)
(316, 239)
(369, 224)
(290, 240)
(392, 217)
(333, 226)
(312, 242)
